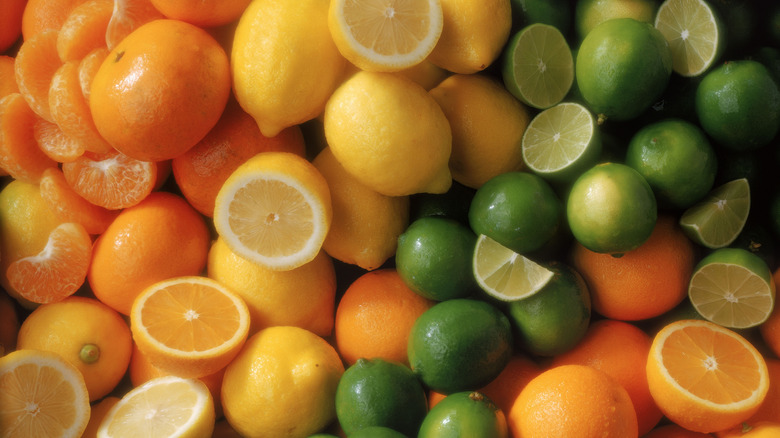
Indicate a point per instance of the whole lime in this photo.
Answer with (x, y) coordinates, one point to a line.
(623, 66)
(676, 159)
(434, 258)
(590, 13)
(738, 104)
(459, 345)
(466, 414)
(555, 319)
(377, 432)
(453, 204)
(519, 210)
(378, 392)
(611, 209)
(556, 13)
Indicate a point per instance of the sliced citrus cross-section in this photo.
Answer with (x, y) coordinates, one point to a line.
(382, 35)
(505, 274)
(693, 31)
(717, 220)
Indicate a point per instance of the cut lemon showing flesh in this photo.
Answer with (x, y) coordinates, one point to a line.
(504, 274)
(385, 35)
(275, 210)
(733, 287)
(692, 29)
(705, 377)
(189, 326)
(164, 406)
(717, 220)
(538, 67)
(41, 395)
(561, 142)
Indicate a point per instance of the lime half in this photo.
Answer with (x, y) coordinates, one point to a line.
(693, 32)
(538, 67)
(561, 142)
(733, 287)
(504, 274)
(717, 220)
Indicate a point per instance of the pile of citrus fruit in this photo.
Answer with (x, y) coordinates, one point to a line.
(386, 218)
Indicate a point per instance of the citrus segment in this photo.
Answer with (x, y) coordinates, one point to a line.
(717, 220)
(54, 143)
(127, 16)
(505, 274)
(693, 33)
(84, 30)
(69, 206)
(20, 155)
(88, 67)
(35, 64)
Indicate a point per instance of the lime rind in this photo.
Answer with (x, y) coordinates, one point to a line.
(716, 221)
(505, 274)
(693, 31)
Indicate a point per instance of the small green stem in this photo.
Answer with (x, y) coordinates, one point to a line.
(90, 353)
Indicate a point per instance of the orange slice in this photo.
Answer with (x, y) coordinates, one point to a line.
(189, 326)
(84, 30)
(705, 377)
(20, 155)
(88, 67)
(36, 62)
(54, 143)
(127, 16)
(69, 206)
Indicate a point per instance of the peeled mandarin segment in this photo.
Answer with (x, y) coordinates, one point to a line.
(56, 144)
(69, 206)
(7, 76)
(692, 30)
(127, 16)
(20, 155)
(36, 63)
(84, 29)
(88, 67)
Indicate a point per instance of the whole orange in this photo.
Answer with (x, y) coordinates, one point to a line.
(204, 13)
(770, 407)
(508, 385)
(160, 90)
(159, 238)
(10, 22)
(674, 431)
(770, 329)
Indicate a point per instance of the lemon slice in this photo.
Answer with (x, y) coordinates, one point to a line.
(504, 274)
(717, 220)
(275, 210)
(694, 34)
(385, 35)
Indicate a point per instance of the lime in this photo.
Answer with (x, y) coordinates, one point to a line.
(770, 57)
(717, 220)
(590, 13)
(538, 67)
(694, 33)
(676, 159)
(466, 414)
(453, 204)
(562, 142)
(733, 287)
(519, 210)
(611, 209)
(504, 274)
(379, 392)
(377, 432)
(556, 13)
(459, 345)
(738, 104)
(434, 258)
(554, 319)
(622, 67)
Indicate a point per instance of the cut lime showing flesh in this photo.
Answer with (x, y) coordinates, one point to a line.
(538, 67)
(561, 142)
(733, 287)
(504, 274)
(693, 32)
(717, 220)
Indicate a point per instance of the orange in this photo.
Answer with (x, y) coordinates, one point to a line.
(645, 282)
(572, 400)
(20, 155)
(160, 90)
(10, 22)
(770, 329)
(375, 316)
(619, 349)
(201, 171)
(88, 67)
(9, 324)
(84, 30)
(69, 206)
(36, 62)
(86, 333)
(204, 13)
(160, 238)
(97, 413)
(705, 377)
(770, 407)
(674, 431)
(508, 385)
(7, 76)
(760, 429)
(42, 15)
(129, 15)
(54, 143)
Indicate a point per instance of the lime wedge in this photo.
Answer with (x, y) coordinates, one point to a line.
(538, 67)
(694, 34)
(717, 220)
(733, 287)
(561, 142)
(504, 274)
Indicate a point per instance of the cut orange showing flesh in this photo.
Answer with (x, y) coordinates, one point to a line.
(189, 326)
(41, 395)
(20, 155)
(705, 377)
(127, 16)
(69, 206)
(35, 64)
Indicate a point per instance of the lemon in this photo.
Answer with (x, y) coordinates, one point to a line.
(284, 62)
(366, 224)
(390, 134)
(487, 123)
(473, 34)
(282, 384)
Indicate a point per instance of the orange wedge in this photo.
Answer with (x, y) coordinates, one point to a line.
(54, 143)
(20, 155)
(84, 30)
(69, 206)
(88, 67)
(35, 64)
(127, 16)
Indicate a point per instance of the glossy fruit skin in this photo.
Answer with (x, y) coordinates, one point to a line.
(377, 432)
(467, 414)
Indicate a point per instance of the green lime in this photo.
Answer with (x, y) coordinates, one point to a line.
(464, 414)
(434, 256)
(717, 220)
(554, 319)
(324, 435)
(676, 159)
(556, 13)
(733, 287)
(562, 142)
(538, 67)
(694, 32)
(738, 104)
(519, 210)
(459, 345)
(377, 432)
(453, 204)
(611, 209)
(770, 57)
(622, 67)
(590, 13)
(379, 392)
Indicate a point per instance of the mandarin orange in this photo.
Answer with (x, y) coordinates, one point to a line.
(69, 206)
(204, 13)
(129, 15)
(10, 22)
(20, 155)
(84, 30)
(42, 15)
(36, 62)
